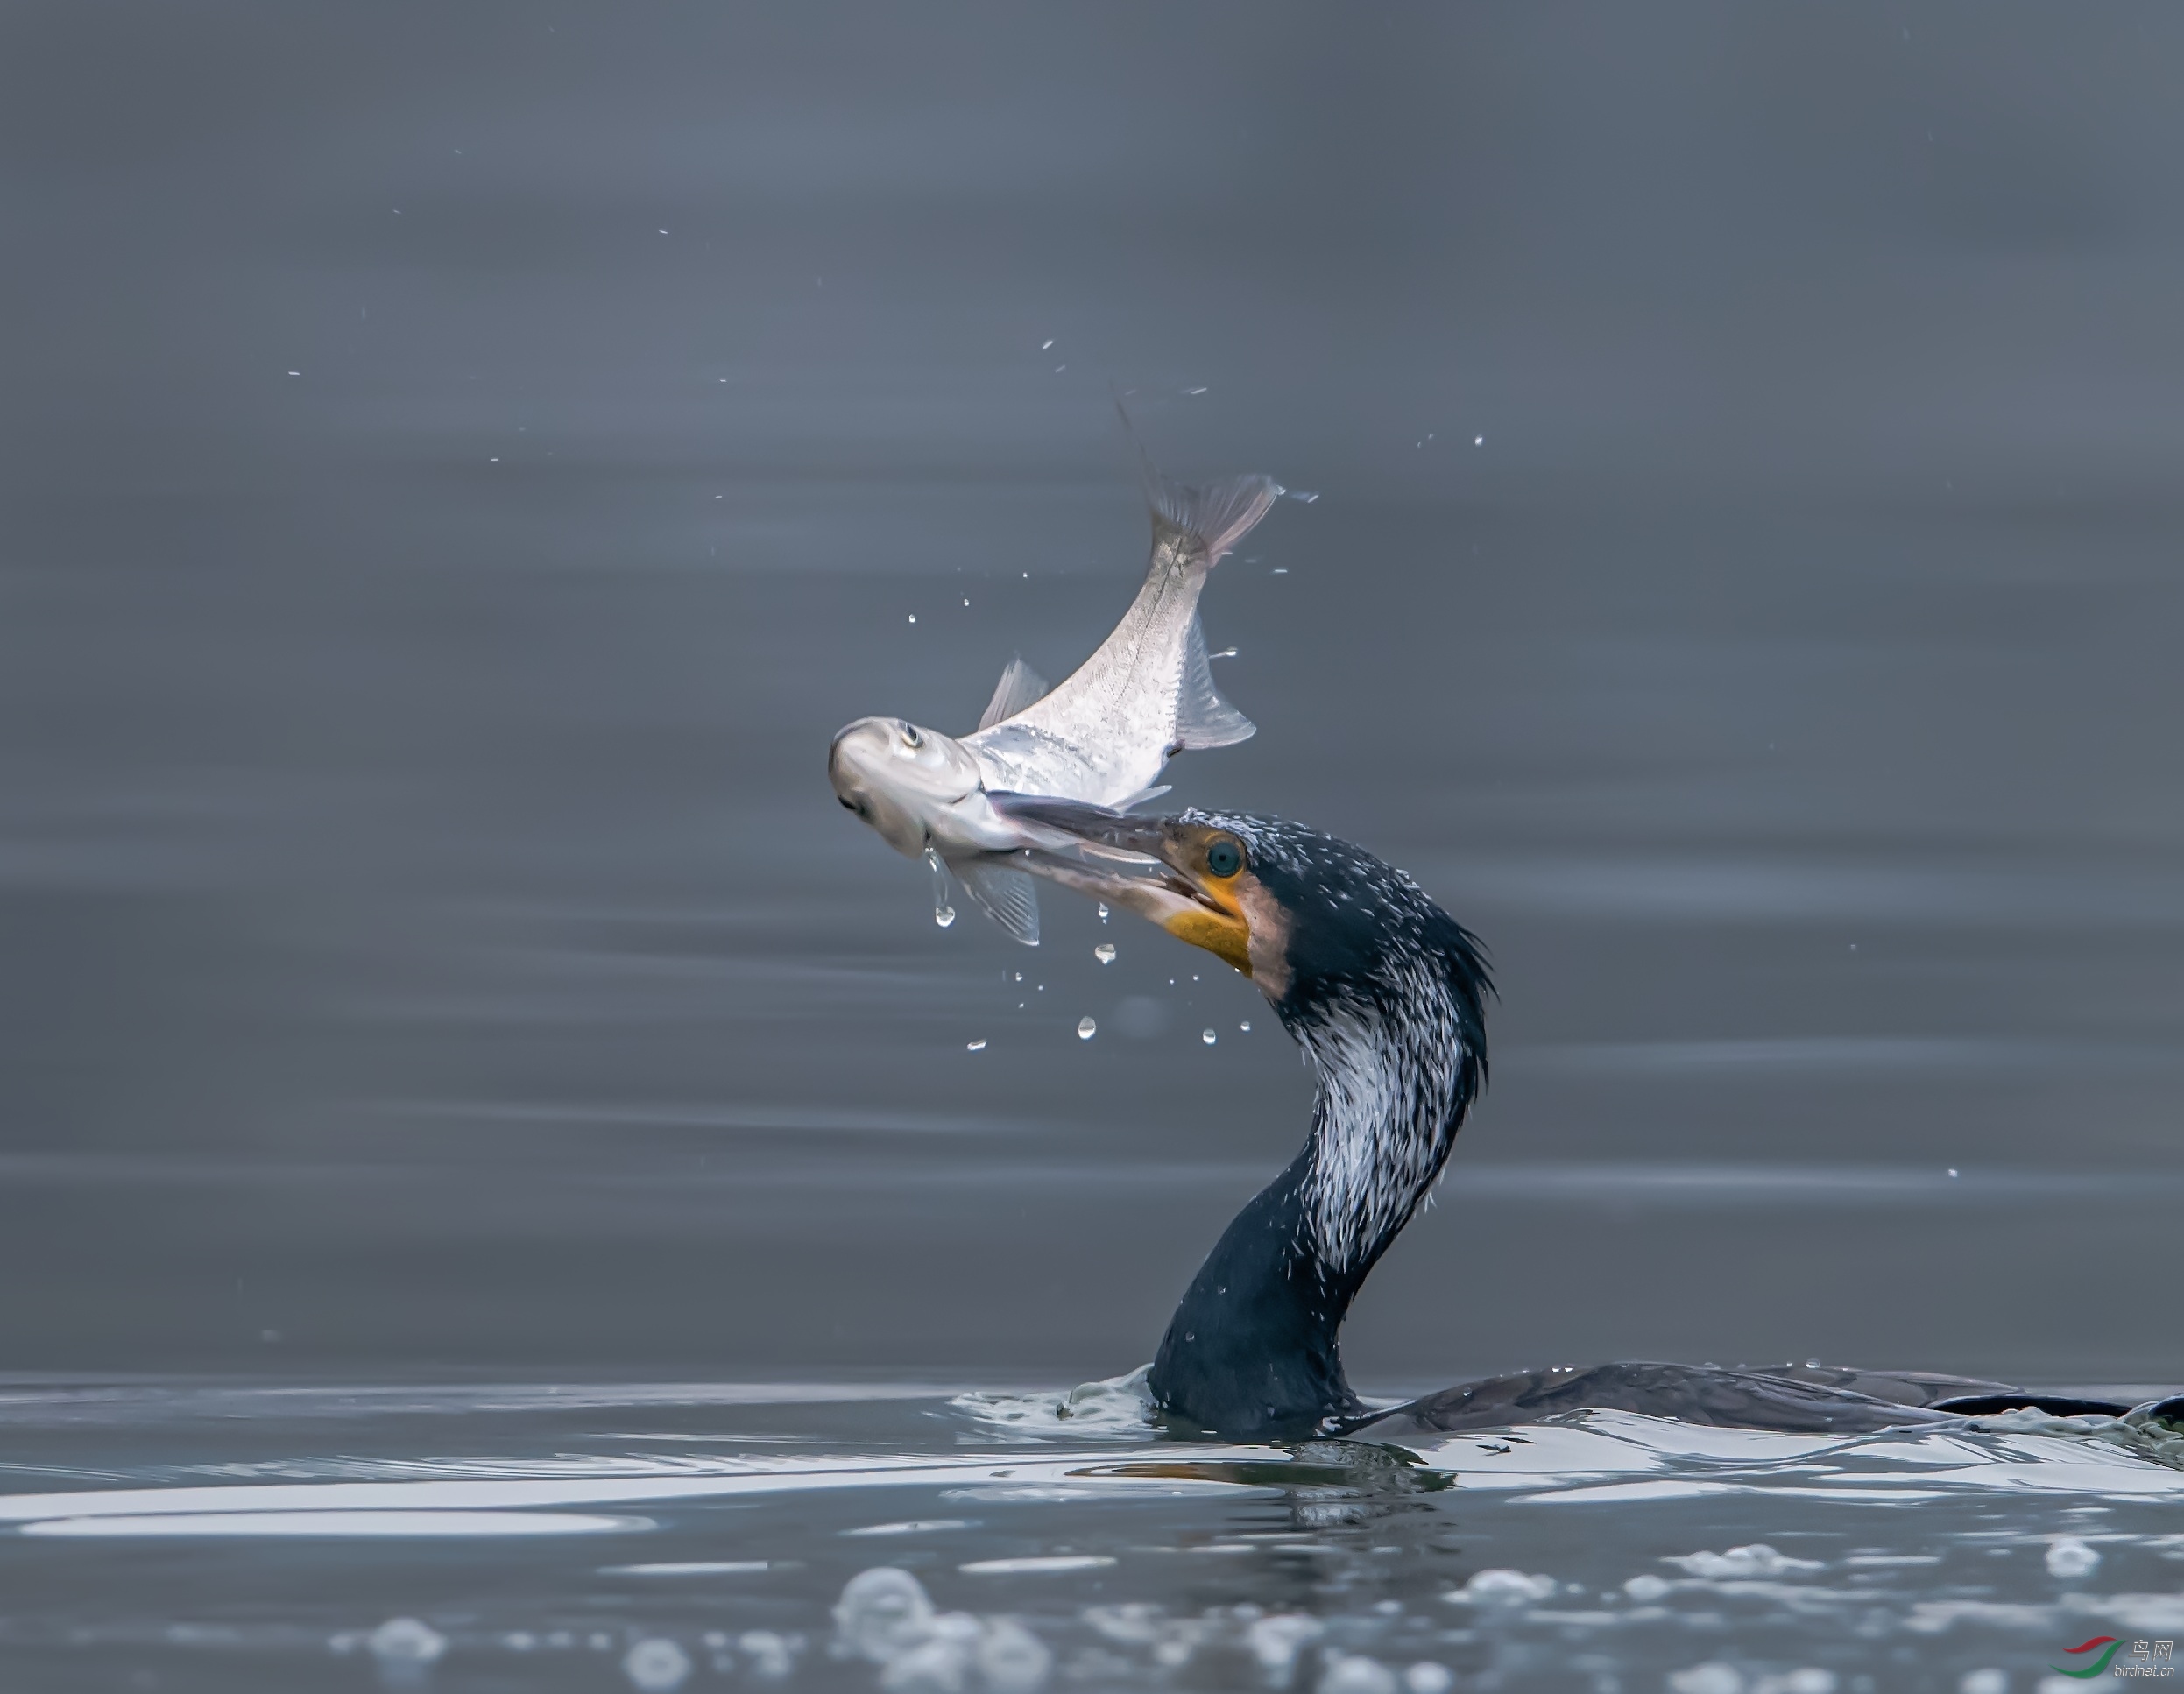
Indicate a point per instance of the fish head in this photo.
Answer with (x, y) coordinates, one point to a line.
(1191, 875)
(902, 780)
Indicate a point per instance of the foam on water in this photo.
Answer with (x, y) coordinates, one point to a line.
(1120, 1406)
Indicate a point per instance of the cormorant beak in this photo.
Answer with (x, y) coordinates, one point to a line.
(1156, 866)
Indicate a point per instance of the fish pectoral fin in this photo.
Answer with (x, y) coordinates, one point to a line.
(1203, 718)
(1143, 795)
(1019, 686)
(1005, 894)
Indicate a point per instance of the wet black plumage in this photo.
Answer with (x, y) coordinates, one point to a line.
(1386, 993)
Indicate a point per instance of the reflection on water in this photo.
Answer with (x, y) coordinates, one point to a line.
(666, 1537)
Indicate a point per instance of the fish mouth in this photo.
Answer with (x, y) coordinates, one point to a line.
(1156, 866)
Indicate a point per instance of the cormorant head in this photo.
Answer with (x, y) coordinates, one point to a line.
(1318, 924)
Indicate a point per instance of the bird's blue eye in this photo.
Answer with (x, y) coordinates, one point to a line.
(1225, 858)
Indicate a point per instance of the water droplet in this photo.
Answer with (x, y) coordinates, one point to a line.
(1020, 975)
(1952, 1170)
(1478, 441)
(1208, 1037)
(1244, 1026)
(914, 618)
(974, 1047)
(1102, 911)
(1086, 1029)
(1105, 952)
(944, 914)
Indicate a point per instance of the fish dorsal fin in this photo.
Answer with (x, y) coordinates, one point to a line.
(1019, 686)
(1203, 718)
(1005, 894)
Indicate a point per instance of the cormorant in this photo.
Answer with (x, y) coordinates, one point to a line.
(1386, 994)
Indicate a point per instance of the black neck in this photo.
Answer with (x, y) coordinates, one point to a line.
(1254, 1349)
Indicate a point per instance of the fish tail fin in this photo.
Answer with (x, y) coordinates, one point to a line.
(1200, 523)
(1204, 523)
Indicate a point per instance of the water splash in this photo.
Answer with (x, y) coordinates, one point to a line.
(1116, 1404)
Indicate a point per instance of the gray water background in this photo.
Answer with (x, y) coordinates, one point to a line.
(461, 463)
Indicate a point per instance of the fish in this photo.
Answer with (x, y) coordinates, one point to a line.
(1102, 736)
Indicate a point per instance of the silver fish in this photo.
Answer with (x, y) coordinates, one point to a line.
(1101, 737)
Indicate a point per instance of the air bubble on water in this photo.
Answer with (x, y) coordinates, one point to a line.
(1502, 1588)
(1105, 952)
(771, 1656)
(1354, 1674)
(406, 1649)
(944, 914)
(656, 1665)
(2068, 1556)
(882, 1611)
(1712, 1677)
(1102, 911)
(1208, 1037)
(978, 1046)
(1011, 1659)
(1086, 1029)
(1757, 1560)
(1274, 1641)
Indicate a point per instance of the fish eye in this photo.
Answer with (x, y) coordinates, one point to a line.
(1225, 856)
(910, 735)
